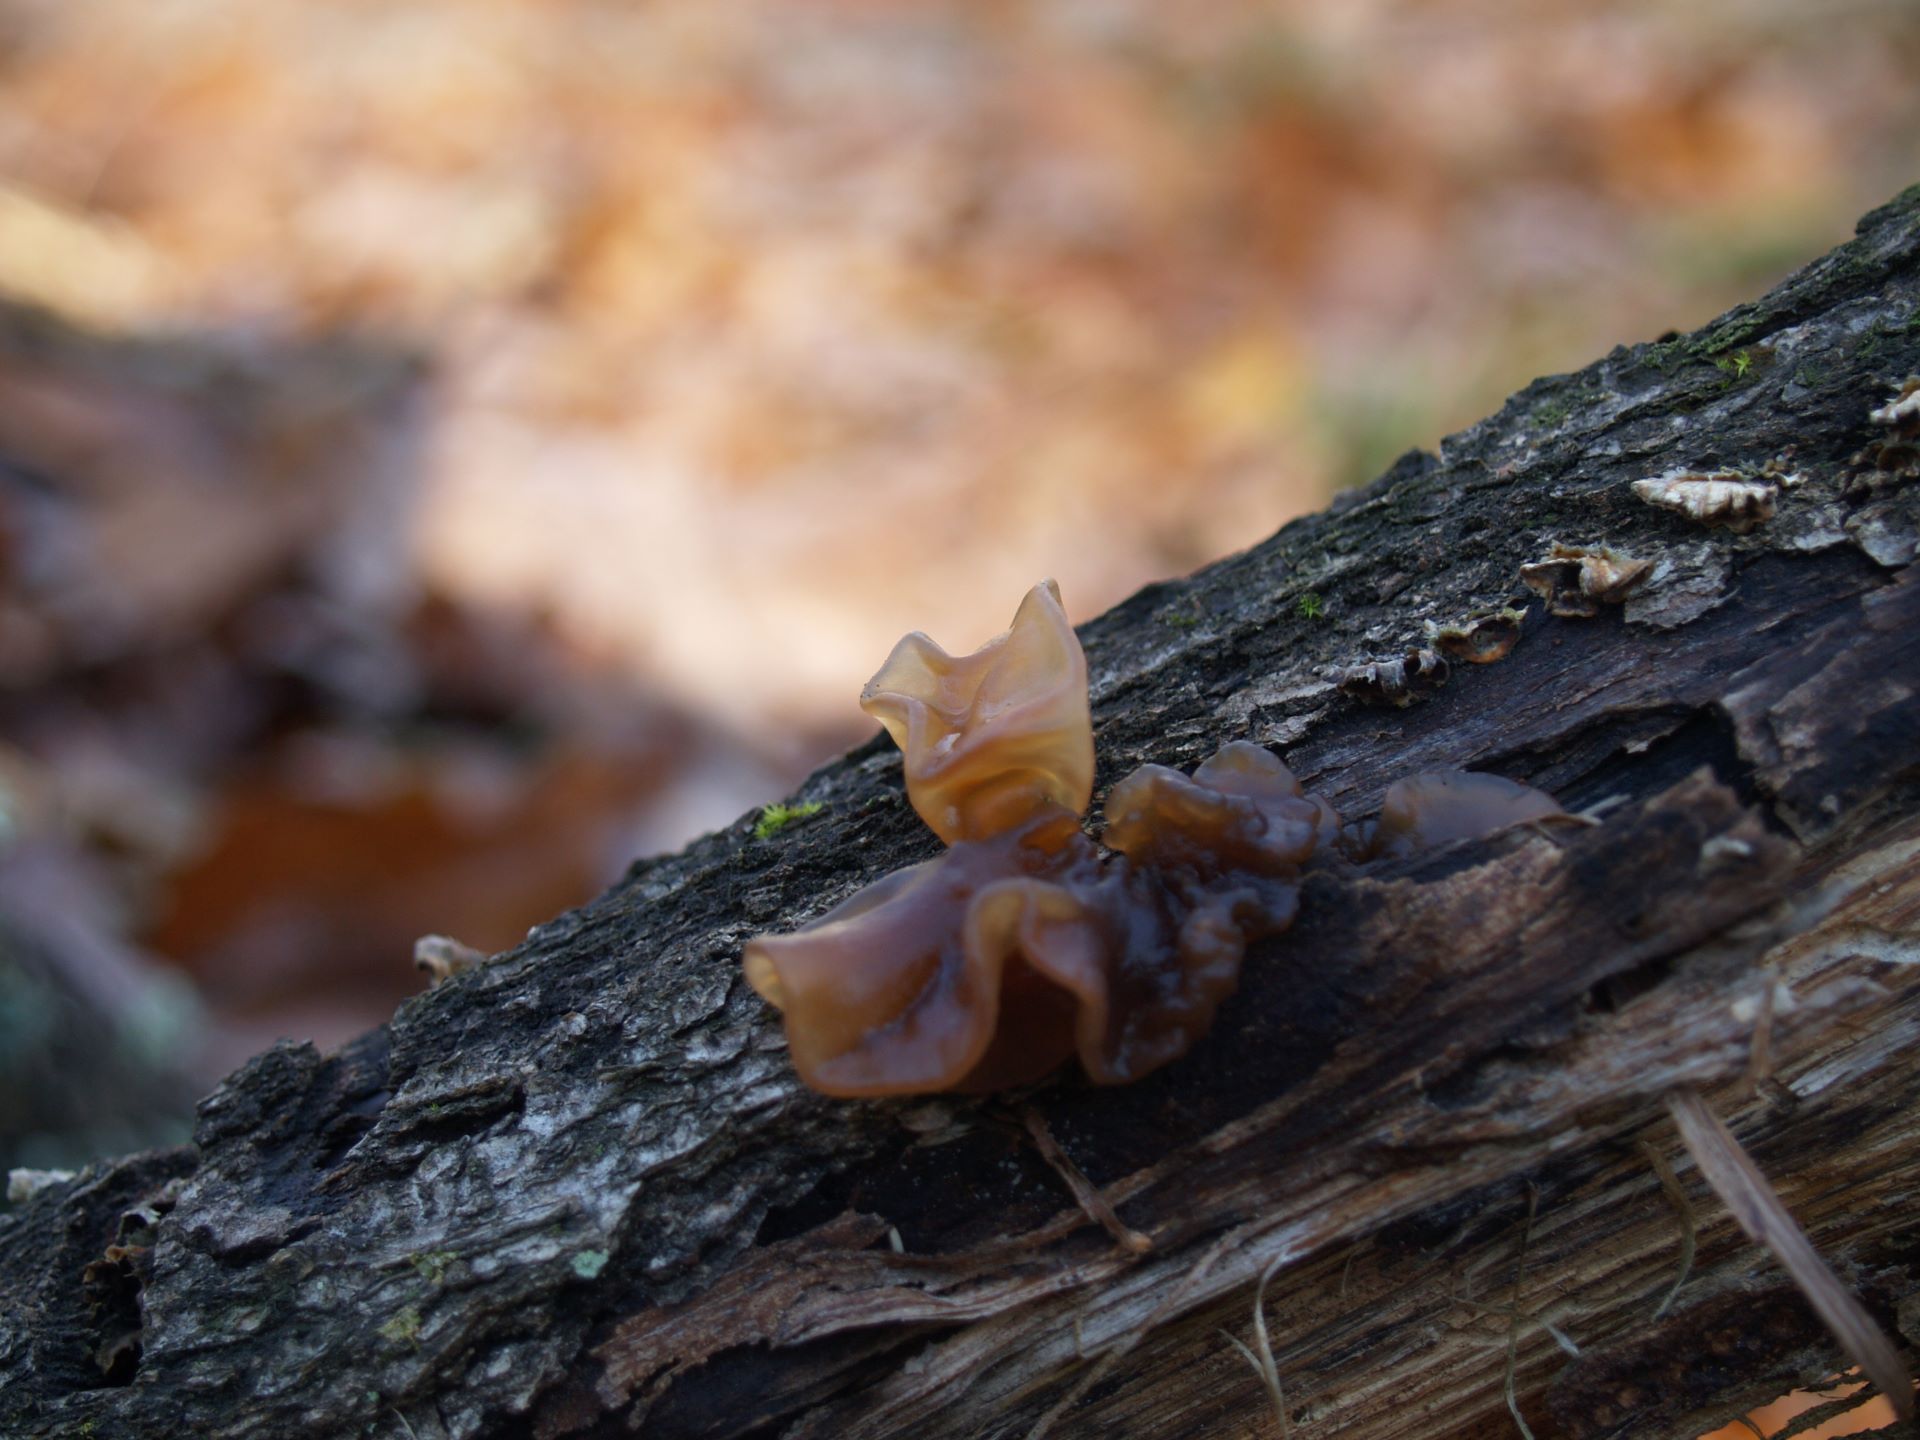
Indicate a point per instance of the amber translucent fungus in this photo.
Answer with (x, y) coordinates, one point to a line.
(1443, 806)
(990, 965)
(989, 737)
(1241, 810)
(900, 989)
(1025, 943)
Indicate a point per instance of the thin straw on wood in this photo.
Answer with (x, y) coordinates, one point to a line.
(1746, 1192)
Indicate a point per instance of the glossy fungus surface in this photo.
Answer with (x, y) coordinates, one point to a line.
(1241, 810)
(988, 737)
(992, 964)
(1445, 806)
(1027, 944)
(959, 973)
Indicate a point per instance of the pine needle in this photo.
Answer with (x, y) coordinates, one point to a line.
(1091, 1201)
(1175, 1297)
(1683, 1211)
(1745, 1191)
(1262, 1361)
(1513, 1321)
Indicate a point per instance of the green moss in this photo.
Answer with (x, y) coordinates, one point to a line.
(1883, 329)
(1665, 355)
(775, 818)
(1736, 366)
(431, 1265)
(1739, 328)
(1739, 366)
(402, 1329)
(1310, 606)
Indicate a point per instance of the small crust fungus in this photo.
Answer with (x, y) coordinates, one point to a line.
(1902, 413)
(1576, 580)
(1398, 681)
(1715, 497)
(1894, 460)
(1479, 639)
(442, 957)
(1025, 943)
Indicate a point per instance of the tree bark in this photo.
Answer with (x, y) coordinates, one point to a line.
(578, 1192)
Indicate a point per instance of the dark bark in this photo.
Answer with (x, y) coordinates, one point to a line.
(578, 1192)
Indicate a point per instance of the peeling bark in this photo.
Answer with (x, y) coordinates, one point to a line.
(577, 1191)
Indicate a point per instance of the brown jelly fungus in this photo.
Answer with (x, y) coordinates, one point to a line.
(1441, 807)
(1025, 943)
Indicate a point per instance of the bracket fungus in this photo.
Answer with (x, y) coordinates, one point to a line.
(1026, 944)
(1717, 497)
(1576, 580)
(1480, 639)
(1894, 459)
(1902, 413)
(1398, 680)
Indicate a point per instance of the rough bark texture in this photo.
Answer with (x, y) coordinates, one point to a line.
(578, 1192)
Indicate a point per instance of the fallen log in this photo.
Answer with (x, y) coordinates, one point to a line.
(577, 1191)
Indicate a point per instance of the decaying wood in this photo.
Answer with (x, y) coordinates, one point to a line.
(1751, 1199)
(576, 1191)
